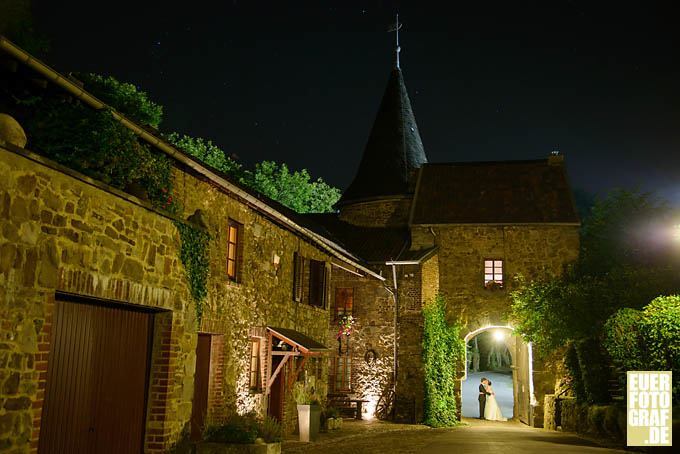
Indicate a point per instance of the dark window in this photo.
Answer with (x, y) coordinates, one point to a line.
(234, 243)
(255, 370)
(298, 274)
(493, 273)
(342, 373)
(344, 301)
(317, 283)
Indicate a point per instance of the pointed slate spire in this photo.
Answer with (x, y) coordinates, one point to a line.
(394, 149)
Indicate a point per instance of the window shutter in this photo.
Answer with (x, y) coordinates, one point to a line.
(298, 273)
(317, 283)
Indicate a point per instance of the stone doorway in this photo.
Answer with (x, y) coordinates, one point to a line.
(497, 353)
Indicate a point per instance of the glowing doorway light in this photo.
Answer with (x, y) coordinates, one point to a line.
(498, 335)
(472, 334)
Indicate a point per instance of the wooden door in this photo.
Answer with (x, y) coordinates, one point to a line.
(199, 408)
(523, 394)
(97, 379)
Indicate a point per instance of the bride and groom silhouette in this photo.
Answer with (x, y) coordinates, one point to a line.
(488, 407)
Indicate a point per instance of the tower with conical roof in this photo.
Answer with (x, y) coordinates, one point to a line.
(382, 189)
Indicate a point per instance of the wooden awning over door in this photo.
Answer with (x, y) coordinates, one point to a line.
(289, 343)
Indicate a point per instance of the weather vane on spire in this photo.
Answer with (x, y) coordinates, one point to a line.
(395, 28)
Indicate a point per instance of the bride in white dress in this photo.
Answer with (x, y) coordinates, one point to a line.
(492, 411)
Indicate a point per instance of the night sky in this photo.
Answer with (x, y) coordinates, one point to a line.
(300, 82)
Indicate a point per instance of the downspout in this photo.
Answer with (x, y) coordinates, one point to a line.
(396, 321)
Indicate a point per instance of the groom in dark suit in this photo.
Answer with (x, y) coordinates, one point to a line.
(482, 397)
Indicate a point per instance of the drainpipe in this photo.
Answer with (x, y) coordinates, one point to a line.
(395, 293)
(396, 321)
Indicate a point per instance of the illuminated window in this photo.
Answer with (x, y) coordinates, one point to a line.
(344, 300)
(255, 371)
(342, 373)
(493, 273)
(233, 249)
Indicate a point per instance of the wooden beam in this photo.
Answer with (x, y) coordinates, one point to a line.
(282, 353)
(276, 372)
(297, 371)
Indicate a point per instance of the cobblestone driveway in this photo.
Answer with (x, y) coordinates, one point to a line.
(479, 437)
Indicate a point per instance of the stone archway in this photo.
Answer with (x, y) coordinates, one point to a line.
(521, 366)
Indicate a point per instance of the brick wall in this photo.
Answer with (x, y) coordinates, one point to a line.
(387, 212)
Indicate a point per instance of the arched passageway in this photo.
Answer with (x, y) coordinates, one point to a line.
(497, 353)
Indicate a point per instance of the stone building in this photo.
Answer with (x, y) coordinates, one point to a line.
(464, 230)
(94, 298)
(99, 335)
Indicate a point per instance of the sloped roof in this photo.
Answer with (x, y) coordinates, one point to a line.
(373, 245)
(494, 192)
(394, 149)
(297, 339)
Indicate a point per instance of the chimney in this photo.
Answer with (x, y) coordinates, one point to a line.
(555, 158)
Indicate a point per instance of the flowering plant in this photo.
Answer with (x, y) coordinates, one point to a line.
(346, 324)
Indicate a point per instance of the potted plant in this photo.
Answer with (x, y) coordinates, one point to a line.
(308, 396)
(242, 434)
(333, 421)
(345, 328)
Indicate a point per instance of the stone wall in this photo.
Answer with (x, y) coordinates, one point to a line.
(372, 375)
(533, 251)
(387, 212)
(61, 231)
(263, 295)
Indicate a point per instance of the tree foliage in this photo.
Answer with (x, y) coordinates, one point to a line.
(294, 189)
(124, 97)
(647, 339)
(624, 263)
(96, 144)
(207, 152)
(626, 228)
(16, 22)
(443, 351)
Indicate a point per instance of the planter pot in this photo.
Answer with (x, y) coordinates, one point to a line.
(228, 448)
(332, 423)
(309, 418)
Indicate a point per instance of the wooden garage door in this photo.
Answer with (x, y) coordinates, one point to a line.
(95, 397)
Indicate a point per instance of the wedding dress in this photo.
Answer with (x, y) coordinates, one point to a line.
(492, 411)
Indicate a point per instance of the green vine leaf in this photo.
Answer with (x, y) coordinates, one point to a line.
(195, 256)
(443, 351)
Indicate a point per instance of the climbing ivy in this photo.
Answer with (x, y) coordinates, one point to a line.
(194, 254)
(443, 351)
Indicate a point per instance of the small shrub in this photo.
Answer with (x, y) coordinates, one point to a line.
(238, 429)
(270, 430)
(332, 412)
(594, 370)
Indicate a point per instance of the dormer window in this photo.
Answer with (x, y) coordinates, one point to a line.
(493, 273)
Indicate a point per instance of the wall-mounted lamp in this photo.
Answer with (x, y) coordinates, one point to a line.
(276, 261)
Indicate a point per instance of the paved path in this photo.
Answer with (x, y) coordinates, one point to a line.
(502, 385)
(478, 437)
